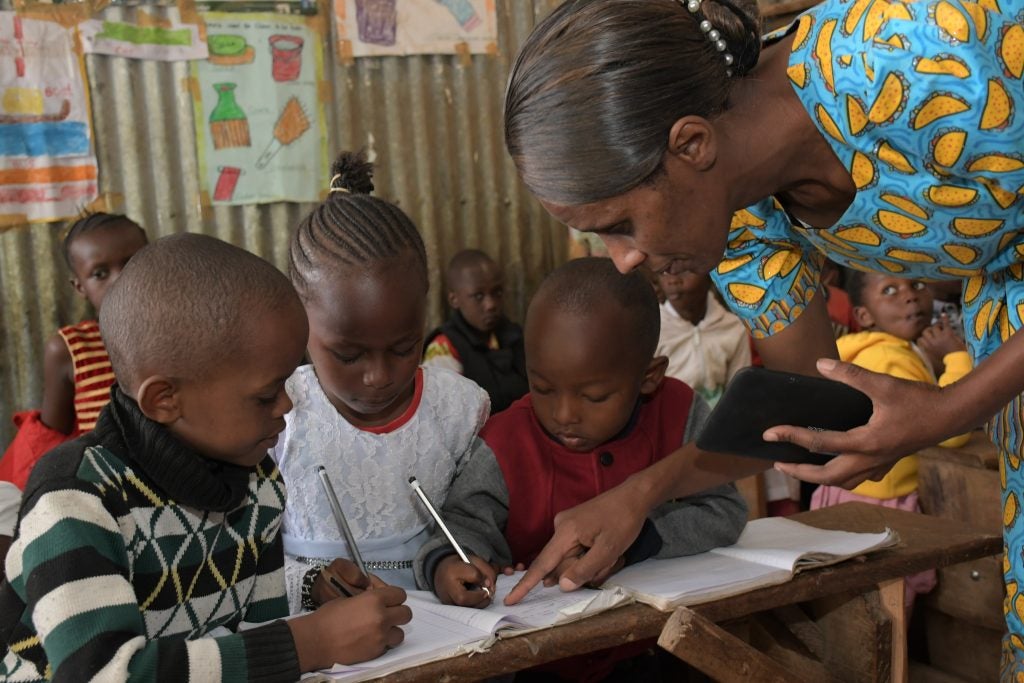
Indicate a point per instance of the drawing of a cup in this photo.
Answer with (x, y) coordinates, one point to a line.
(286, 54)
(226, 182)
(377, 21)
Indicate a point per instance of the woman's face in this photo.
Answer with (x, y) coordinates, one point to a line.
(677, 224)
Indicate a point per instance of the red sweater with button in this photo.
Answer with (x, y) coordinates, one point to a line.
(543, 477)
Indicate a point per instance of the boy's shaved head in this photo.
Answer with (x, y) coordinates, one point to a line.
(585, 286)
(463, 260)
(183, 306)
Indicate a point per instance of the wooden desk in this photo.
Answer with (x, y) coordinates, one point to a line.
(926, 542)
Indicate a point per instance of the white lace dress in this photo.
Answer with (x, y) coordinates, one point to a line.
(370, 473)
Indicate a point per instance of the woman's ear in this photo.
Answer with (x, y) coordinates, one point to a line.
(159, 400)
(653, 375)
(692, 141)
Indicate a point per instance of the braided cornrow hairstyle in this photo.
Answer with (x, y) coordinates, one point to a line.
(89, 221)
(351, 228)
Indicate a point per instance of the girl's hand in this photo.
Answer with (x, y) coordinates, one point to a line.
(351, 631)
(509, 570)
(458, 583)
(907, 417)
(938, 340)
(345, 573)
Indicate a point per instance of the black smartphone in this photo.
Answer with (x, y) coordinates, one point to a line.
(757, 399)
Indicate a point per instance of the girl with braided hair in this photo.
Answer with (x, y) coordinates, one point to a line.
(886, 135)
(364, 409)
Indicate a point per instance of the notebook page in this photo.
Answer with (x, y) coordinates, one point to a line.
(694, 579)
(428, 637)
(547, 606)
(781, 543)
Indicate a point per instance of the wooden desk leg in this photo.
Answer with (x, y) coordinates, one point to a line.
(890, 595)
(717, 653)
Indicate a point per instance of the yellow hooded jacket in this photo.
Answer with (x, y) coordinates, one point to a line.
(890, 355)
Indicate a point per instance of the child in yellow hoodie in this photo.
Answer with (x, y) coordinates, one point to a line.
(898, 339)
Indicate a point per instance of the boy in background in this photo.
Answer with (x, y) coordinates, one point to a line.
(138, 539)
(897, 338)
(705, 344)
(478, 341)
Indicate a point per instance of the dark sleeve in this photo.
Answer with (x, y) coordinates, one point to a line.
(695, 524)
(475, 511)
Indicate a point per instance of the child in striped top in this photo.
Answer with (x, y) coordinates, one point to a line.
(76, 370)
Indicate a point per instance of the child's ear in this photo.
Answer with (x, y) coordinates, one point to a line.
(453, 300)
(653, 375)
(158, 399)
(863, 317)
(78, 286)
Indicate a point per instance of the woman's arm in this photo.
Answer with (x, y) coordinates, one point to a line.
(58, 410)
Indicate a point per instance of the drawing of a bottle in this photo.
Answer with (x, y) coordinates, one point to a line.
(228, 125)
(463, 12)
(377, 21)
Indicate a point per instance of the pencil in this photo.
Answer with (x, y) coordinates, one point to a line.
(440, 523)
(339, 519)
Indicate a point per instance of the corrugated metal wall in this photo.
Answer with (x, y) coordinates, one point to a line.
(432, 122)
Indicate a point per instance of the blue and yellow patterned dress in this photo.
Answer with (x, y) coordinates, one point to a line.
(923, 102)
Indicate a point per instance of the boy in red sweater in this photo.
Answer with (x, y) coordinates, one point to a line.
(599, 409)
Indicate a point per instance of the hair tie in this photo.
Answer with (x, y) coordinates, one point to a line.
(332, 188)
(713, 35)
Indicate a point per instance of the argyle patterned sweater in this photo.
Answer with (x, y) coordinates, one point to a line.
(130, 548)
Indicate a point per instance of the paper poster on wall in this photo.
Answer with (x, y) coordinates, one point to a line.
(47, 163)
(260, 124)
(156, 33)
(389, 27)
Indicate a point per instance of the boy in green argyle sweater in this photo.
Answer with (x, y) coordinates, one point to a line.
(138, 539)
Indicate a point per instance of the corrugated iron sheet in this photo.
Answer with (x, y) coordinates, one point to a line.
(432, 122)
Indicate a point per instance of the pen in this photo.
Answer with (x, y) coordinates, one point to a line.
(440, 523)
(339, 519)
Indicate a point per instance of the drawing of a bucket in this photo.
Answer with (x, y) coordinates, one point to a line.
(226, 182)
(286, 53)
(377, 21)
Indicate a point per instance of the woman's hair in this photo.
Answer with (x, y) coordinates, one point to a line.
(89, 221)
(351, 228)
(597, 86)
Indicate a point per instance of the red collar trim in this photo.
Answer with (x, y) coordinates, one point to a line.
(406, 415)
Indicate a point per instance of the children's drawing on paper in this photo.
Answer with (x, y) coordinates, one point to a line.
(47, 166)
(228, 125)
(152, 33)
(229, 50)
(260, 122)
(389, 27)
(286, 56)
(290, 126)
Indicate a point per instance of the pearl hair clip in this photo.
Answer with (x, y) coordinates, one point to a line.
(713, 35)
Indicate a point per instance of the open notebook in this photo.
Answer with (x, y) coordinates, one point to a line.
(440, 631)
(769, 551)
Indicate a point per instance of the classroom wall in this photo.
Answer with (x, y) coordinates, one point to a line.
(433, 123)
